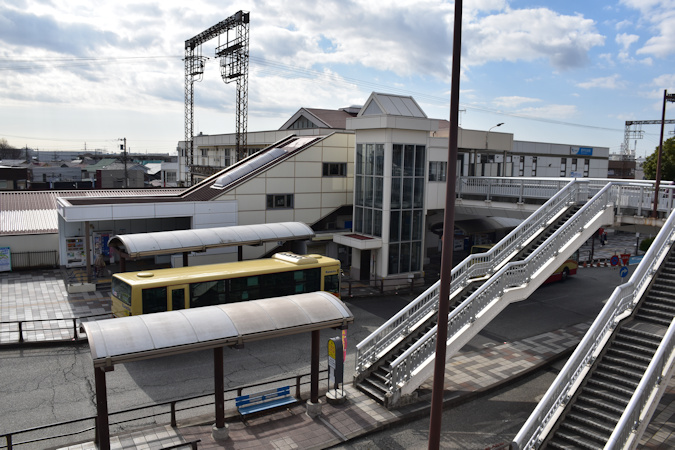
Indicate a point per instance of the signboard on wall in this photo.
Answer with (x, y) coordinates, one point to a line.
(581, 151)
(5, 259)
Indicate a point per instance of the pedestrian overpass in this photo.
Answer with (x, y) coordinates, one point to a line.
(398, 357)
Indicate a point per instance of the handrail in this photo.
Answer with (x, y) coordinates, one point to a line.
(475, 266)
(21, 329)
(512, 275)
(623, 299)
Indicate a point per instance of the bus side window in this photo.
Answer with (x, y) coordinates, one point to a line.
(331, 284)
(154, 300)
(207, 293)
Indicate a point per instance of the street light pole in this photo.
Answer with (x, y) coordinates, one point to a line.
(666, 98)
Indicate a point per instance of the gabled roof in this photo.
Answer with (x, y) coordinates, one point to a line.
(322, 118)
(391, 105)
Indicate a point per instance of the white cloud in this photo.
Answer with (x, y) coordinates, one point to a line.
(530, 34)
(559, 112)
(513, 101)
(611, 82)
(660, 15)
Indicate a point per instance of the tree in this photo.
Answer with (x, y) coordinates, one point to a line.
(667, 162)
(9, 152)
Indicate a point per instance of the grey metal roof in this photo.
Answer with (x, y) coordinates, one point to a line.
(392, 105)
(35, 212)
(124, 339)
(168, 242)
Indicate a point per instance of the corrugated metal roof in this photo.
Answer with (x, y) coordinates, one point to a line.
(34, 212)
(393, 105)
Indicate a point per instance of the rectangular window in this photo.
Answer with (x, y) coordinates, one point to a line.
(279, 201)
(563, 167)
(437, 170)
(587, 163)
(205, 152)
(534, 166)
(154, 300)
(334, 169)
(358, 164)
(521, 167)
(574, 164)
(207, 293)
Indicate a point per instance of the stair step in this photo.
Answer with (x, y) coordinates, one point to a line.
(588, 428)
(603, 405)
(638, 366)
(627, 372)
(594, 392)
(616, 379)
(623, 353)
(592, 410)
(611, 387)
(653, 319)
(370, 391)
(576, 440)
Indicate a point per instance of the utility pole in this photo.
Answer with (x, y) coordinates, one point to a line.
(448, 237)
(666, 98)
(123, 147)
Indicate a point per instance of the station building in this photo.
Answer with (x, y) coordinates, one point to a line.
(369, 180)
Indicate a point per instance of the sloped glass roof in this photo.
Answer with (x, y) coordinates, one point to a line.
(124, 339)
(168, 242)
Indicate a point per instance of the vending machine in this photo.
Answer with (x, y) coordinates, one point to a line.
(75, 252)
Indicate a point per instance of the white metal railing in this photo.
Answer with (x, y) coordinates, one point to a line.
(370, 349)
(624, 298)
(634, 196)
(512, 275)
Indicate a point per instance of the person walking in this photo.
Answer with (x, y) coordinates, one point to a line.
(99, 265)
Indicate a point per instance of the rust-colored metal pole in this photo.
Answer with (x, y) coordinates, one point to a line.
(449, 233)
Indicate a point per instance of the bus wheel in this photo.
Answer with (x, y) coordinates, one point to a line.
(565, 274)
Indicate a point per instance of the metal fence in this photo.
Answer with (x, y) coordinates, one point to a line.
(35, 260)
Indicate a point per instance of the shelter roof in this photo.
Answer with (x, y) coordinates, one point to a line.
(168, 242)
(124, 339)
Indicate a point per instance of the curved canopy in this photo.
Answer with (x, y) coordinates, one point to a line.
(124, 339)
(198, 240)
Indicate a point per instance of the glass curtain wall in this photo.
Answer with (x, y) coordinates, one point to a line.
(407, 208)
(368, 189)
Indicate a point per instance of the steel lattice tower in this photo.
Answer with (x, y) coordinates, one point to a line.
(234, 66)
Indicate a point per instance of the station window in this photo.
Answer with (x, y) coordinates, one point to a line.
(279, 201)
(334, 169)
(438, 170)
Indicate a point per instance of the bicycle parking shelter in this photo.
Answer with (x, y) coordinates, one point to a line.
(134, 338)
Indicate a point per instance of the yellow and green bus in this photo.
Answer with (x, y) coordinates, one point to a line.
(151, 291)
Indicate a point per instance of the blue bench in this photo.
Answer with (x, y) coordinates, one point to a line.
(261, 401)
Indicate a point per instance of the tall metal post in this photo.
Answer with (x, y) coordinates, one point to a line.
(448, 233)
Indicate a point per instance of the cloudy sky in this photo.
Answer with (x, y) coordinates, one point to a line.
(76, 73)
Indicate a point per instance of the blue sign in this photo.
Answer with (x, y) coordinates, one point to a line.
(635, 260)
(623, 272)
(614, 260)
(582, 151)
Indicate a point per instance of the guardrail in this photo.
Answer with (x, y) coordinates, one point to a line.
(511, 275)
(21, 331)
(623, 299)
(170, 408)
(475, 266)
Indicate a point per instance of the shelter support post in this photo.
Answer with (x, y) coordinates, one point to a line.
(102, 427)
(240, 252)
(87, 249)
(313, 405)
(220, 430)
(185, 259)
(123, 263)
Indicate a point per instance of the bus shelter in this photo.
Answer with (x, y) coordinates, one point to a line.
(125, 339)
(132, 246)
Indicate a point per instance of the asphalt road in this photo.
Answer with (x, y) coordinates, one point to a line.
(39, 386)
